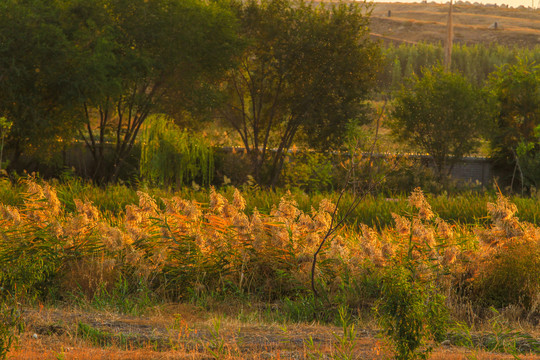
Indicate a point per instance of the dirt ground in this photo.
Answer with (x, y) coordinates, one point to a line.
(427, 23)
(187, 332)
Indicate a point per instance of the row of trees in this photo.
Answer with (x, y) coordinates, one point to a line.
(475, 62)
(96, 70)
(276, 71)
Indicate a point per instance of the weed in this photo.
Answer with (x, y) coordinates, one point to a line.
(313, 351)
(216, 346)
(411, 310)
(100, 338)
(344, 348)
(498, 338)
(11, 323)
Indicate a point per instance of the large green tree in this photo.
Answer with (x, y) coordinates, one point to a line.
(102, 66)
(307, 70)
(517, 90)
(157, 53)
(443, 114)
(40, 80)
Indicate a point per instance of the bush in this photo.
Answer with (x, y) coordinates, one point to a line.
(411, 313)
(512, 277)
(411, 309)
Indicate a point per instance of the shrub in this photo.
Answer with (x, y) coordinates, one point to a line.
(508, 270)
(412, 309)
(411, 313)
(512, 277)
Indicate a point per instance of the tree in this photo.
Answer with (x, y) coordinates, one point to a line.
(146, 54)
(306, 70)
(40, 80)
(517, 90)
(442, 114)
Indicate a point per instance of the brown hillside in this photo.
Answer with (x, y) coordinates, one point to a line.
(427, 22)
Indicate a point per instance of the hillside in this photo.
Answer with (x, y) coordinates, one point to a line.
(427, 22)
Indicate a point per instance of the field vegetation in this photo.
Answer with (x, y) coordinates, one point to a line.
(167, 249)
(230, 180)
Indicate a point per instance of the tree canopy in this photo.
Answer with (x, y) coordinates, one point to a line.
(515, 137)
(443, 114)
(517, 89)
(40, 80)
(106, 65)
(307, 69)
(162, 49)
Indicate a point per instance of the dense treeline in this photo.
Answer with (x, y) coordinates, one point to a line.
(279, 74)
(96, 70)
(475, 62)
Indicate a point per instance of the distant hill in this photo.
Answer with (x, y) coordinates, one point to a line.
(473, 23)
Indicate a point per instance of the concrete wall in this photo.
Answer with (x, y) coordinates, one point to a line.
(470, 169)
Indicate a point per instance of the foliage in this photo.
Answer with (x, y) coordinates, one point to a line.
(40, 76)
(528, 161)
(307, 69)
(157, 53)
(442, 114)
(476, 62)
(5, 128)
(309, 171)
(171, 156)
(517, 89)
(409, 313)
(104, 66)
(412, 308)
(512, 256)
(99, 337)
(186, 245)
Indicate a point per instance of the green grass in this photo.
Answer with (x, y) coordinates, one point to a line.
(376, 211)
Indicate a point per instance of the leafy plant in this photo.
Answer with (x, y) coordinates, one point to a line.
(411, 310)
(344, 349)
(170, 156)
(410, 314)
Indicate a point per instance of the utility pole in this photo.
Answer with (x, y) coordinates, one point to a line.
(449, 39)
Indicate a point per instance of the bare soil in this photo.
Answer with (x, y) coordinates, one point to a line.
(188, 332)
(426, 22)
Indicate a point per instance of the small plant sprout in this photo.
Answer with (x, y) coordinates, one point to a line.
(345, 343)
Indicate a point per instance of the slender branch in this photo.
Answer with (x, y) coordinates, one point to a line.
(334, 224)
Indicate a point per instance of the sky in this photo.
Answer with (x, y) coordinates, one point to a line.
(513, 3)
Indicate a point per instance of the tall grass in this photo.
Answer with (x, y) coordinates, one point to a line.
(375, 211)
(56, 245)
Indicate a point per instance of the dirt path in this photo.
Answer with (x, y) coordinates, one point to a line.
(186, 332)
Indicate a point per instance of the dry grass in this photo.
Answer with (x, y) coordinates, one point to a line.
(183, 245)
(414, 23)
(189, 338)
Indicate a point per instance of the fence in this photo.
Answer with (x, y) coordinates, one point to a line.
(469, 169)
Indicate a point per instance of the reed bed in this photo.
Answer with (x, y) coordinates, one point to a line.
(172, 248)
